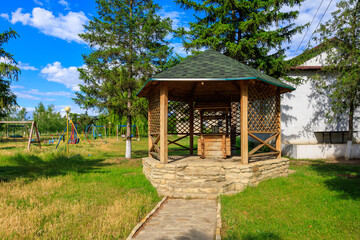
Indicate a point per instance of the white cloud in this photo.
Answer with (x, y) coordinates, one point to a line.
(66, 27)
(175, 16)
(74, 109)
(17, 87)
(26, 66)
(35, 94)
(67, 76)
(57, 93)
(64, 3)
(179, 49)
(4, 15)
(38, 2)
(307, 11)
(26, 96)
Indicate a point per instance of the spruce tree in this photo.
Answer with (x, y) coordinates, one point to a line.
(252, 32)
(128, 45)
(340, 77)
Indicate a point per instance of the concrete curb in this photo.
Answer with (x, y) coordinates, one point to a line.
(218, 221)
(145, 219)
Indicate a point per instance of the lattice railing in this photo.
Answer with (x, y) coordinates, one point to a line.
(263, 109)
(235, 118)
(264, 119)
(154, 110)
(178, 117)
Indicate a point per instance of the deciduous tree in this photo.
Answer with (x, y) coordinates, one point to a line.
(342, 62)
(8, 72)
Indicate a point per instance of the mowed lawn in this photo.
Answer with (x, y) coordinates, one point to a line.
(319, 201)
(95, 195)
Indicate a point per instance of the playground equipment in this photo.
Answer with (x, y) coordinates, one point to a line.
(95, 131)
(23, 126)
(49, 141)
(134, 132)
(74, 137)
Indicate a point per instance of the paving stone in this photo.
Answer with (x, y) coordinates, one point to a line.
(182, 219)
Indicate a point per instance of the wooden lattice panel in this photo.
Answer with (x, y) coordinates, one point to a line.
(235, 117)
(178, 117)
(197, 123)
(154, 110)
(263, 109)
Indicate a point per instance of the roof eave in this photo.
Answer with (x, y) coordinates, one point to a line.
(140, 93)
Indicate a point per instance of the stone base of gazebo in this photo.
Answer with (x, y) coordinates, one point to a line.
(193, 177)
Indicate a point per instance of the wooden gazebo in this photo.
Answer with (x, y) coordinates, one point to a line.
(218, 99)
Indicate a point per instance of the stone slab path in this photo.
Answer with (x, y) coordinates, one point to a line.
(182, 219)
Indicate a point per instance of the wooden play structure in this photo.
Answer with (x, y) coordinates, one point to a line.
(24, 125)
(217, 99)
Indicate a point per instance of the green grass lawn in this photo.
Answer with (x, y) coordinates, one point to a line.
(95, 195)
(318, 201)
(100, 195)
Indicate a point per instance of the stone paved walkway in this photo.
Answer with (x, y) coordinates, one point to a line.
(181, 219)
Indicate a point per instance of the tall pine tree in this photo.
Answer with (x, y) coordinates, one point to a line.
(128, 46)
(341, 35)
(252, 32)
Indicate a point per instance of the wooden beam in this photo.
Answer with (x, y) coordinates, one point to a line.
(235, 84)
(263, 143)
(22, 122)
(163, 121)
(191, 125)
(244, 87)
(37, 134)
(31, 132)
(264, 154)
(278, 139)
(154, 143)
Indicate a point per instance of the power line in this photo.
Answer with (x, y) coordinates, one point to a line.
(318, 23)
(309, 27)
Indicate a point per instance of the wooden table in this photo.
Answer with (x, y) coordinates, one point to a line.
(214, 145)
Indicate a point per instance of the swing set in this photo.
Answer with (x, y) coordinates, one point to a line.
(134, 132)
(95, 131)
(24, 125)
(74, 136)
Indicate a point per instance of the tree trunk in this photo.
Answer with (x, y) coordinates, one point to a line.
(128, 127)
(351, 131)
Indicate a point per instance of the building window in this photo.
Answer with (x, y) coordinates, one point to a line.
(332, 136)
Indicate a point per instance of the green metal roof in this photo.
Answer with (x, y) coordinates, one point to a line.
(211, 65)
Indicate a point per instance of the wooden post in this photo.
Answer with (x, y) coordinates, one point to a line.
(278, 139)
(244, 87)
(163, 122)
(37, 134)
(191, 125)
(31, 132)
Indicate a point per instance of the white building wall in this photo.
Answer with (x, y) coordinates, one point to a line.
(303, 113)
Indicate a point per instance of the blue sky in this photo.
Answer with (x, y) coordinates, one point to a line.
(49, 50)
